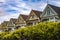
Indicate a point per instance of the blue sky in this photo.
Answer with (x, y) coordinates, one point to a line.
(12, 8)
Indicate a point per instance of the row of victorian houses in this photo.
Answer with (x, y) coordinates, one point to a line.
(51, 13)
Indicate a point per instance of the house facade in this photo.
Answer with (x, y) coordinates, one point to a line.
(34, 17)
(8, 25)
(4, 26)
(51, 13)
(11, 24)
(21, 21)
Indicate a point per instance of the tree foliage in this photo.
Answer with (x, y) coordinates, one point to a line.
(42, 31)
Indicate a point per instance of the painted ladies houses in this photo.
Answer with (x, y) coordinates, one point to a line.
(11, 24)
(21, 21)
(34, 17)
(4, 26)
(51, 13)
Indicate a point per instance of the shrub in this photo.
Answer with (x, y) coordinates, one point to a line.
(42, 31)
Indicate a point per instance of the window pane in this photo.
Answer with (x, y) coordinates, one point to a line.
(48, 12)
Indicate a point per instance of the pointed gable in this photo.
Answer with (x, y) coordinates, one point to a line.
(55, 8)
(34, 13)
(24, 16)
(4, 24)
(37, 13)
(50, 10)
(13, 20)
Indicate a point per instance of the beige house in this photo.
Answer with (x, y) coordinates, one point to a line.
(34, 17)
(21, 21)
(8, 25)
(51, 13)
(4, 26)
(12, 23)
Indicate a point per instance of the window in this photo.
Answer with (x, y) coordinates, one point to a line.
(48, 12)
(52, 19)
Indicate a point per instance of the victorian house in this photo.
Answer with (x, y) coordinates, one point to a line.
(11, 24)
(51, 13)
(34, 17)
(8, 25)
(4, 26)
(21, 21)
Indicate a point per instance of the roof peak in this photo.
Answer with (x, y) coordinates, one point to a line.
(55, 8)
(53, 5)
(24, 16)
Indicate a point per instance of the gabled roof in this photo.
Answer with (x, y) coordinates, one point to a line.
(12, 19)
(24, 16)
(5, 22)
(55, 8)
(38, 13)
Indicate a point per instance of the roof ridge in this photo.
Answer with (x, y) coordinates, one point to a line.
(53, 5)
(37, 10)
(55, 8)
(24, 16)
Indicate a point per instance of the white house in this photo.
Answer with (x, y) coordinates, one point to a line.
(51, 13)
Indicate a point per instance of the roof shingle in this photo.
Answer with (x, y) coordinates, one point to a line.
(24, 16)
(38, 13)
(55, 8)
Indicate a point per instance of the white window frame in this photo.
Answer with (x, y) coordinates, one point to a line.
(53, 19)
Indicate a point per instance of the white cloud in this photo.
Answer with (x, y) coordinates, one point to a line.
(7, 17)
(2, 0)
(57, 3)
(2, 11)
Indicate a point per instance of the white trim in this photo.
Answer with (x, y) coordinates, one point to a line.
(50, 9)
(54, 19)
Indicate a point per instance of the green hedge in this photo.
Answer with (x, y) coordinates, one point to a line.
(42, 31)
